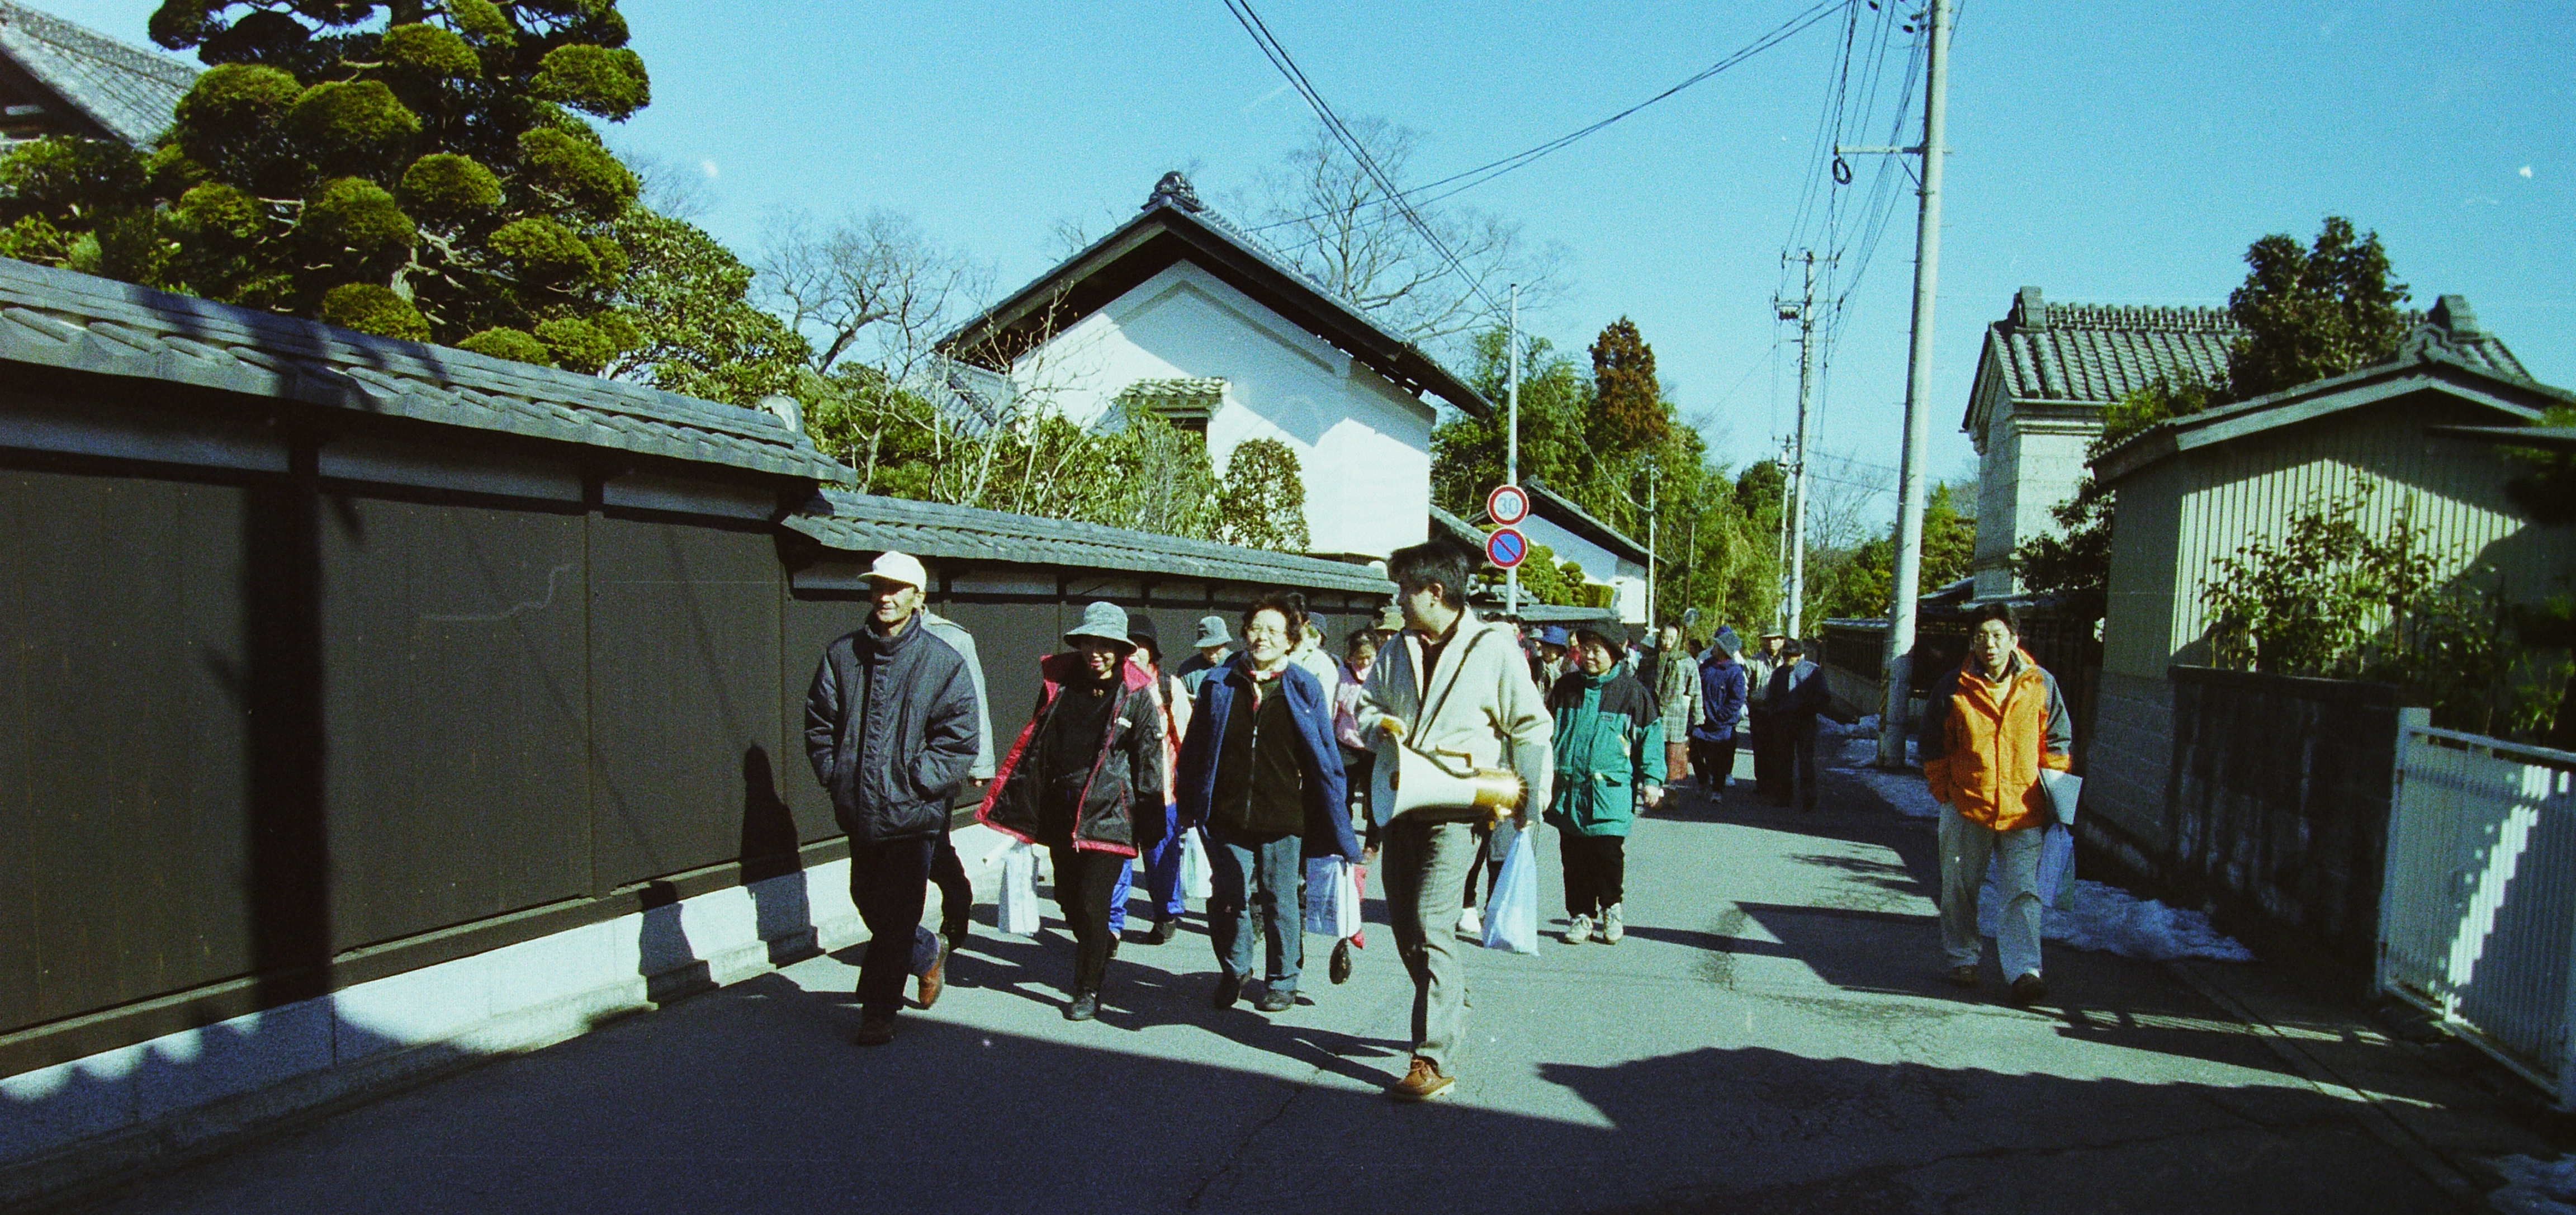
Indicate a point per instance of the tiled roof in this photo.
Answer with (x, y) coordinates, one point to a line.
(1562, 511)
(1188, 397)
(125, 89)
(870, 523)
(56, 318)
(1456, 528)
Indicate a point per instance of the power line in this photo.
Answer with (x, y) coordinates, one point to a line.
(1495, 168)
(1287, 65)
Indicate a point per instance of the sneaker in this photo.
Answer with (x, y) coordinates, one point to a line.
(1421, 1082)
(1471, 923)
(1229, 988)
(1579, 931)
(1963, 976)
(1341, 967)
(1084, 1006)
(1612, 928)
(875, 1030)
(1164, 931)
(935, 979)
(2028, 990)
(1274, 1000)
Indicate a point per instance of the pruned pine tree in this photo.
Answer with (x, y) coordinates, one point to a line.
(1263, 501)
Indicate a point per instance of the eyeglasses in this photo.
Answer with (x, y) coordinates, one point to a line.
(1265, 630)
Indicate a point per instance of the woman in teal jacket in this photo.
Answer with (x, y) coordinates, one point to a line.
(1609, 753)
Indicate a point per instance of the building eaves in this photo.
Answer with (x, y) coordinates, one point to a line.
(127, 91)
(2547, 438)
(868, 523)
(1457, 529)
(1167, 230)
(1558, 509)
(2420, 368)
(76, 322)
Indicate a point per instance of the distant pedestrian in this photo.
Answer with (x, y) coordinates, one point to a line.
(890, 728)
(1162, 860)
(1724, 685)
(1550, 660)
(1454, 686)
(1796, 696)
(1085, 779)
(1359, 767)
(1676, 683)
(947, 869)
(1770, 762)
(1262, 769)
(1213, 646)
(1990, 728)
(1309, 653)
(1609, 756)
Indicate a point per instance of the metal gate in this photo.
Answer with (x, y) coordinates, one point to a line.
(2477, 918)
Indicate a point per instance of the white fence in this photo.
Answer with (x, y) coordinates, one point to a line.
(2477, 920)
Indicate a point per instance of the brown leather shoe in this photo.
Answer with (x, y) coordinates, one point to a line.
(1963, 976)
(875, 1031)
(1422, 1083)
(2028, 990)
(935, 979)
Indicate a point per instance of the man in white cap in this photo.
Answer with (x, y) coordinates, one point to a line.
(891, 729)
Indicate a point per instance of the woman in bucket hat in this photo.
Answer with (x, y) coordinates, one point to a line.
(1085, 779)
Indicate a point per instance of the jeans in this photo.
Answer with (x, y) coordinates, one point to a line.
(1596, 871)
(1966, 847)
(1083, 881)
(1162, 864)
(889, 882)
(1425, 867)
(1259, 894)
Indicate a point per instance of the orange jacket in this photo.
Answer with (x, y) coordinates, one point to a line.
(1984, 743)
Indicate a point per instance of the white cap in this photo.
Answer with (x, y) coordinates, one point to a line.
(891, 566)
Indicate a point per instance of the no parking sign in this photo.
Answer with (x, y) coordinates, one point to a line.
(1506, 547)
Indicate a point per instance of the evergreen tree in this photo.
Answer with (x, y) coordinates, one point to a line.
(2313, 313)
(419, 169)
(1263, 501)
(1629, 414)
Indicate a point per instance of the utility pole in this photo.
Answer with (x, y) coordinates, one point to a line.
(1512, 452)
(1918, 407)
(1650, 544)
(1805, 312)
(1780, 559)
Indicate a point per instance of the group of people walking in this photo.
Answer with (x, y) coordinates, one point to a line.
(1279, 754)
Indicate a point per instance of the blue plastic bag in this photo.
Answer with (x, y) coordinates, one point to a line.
(1511, 911)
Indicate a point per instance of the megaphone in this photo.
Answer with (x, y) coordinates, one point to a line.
(1430, 789)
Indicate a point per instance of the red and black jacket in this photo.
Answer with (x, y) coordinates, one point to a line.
(1126, 771)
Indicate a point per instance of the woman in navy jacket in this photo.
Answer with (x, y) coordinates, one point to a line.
(1263, 772)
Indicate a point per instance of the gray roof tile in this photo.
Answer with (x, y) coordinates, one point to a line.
(56, 318)
(127, 90)
(869, 523)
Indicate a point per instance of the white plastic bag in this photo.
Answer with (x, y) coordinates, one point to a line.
(2057, 868)
(1511, 911)
(1332, 897)
(1197, 881)
(1018, 913)
(2064, 790)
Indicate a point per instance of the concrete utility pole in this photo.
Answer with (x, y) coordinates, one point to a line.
(1806, 316)
(1650, 544)
(1780, 559)
(1512, 451)
(1918, 406)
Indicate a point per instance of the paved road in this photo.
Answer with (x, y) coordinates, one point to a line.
(1772, 1036)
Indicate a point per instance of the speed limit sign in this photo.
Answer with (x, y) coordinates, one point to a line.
(1507, 505)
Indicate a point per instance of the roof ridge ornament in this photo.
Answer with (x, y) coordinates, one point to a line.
(1174, 190)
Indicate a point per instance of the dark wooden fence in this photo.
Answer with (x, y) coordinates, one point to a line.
(2277, 810)
(328, 658)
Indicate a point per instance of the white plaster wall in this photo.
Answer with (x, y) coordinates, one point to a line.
(1597, 562)
(2030, 465)
(1363, 445)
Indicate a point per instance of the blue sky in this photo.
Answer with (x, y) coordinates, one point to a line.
(2106, 153)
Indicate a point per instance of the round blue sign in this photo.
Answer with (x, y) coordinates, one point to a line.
(1506, 547)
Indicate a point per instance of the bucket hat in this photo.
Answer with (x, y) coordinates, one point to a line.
(1211, 632)
(1103, 620)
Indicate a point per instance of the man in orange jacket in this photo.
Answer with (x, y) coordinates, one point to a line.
(1992, 726)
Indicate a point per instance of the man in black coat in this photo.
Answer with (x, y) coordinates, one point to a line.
(890, 726)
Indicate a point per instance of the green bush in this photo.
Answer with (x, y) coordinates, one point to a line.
(517, 345)
(369, 308)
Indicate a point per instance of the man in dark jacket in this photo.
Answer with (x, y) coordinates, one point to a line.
(1724, 684)
(1797, 694)
(1085, 779)
(890, 727)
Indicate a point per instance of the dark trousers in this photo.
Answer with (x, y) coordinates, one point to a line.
(1084, 881)
(1596, 871)
(1495, 844)
(956, 893)
(1714, 761)
(1770, 761)
(1258, 896)
(889, 882)
(1798, 762)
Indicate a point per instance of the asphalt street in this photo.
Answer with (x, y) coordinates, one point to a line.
(1773, 1035)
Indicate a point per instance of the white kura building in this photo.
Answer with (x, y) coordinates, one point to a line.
(1177, 312)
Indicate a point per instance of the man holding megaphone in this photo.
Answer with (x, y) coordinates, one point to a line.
(1456, 723)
